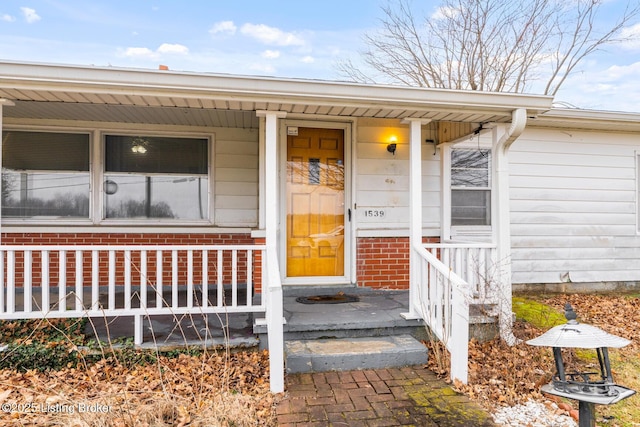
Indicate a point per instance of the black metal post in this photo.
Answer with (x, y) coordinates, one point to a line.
(557, 356)
(586, 414)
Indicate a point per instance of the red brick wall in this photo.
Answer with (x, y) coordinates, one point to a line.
(383, 262)
(133, 239)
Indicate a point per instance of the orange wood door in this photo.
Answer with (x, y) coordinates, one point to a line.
(315, 203)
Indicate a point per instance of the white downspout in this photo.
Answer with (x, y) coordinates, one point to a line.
(502, 220)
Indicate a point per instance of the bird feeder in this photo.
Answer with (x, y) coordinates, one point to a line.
(588, 388)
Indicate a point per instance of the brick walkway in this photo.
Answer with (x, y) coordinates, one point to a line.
(381, 397)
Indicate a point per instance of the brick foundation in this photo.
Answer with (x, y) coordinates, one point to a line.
(383, 262)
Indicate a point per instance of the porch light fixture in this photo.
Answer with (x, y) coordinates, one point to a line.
(588, 388)
(392, 145)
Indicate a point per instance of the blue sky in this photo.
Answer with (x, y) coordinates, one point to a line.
(285, 38)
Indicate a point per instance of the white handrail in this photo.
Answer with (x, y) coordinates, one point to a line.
(475, 263)
(443, 302)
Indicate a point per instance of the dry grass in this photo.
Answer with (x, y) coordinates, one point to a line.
(129, 388)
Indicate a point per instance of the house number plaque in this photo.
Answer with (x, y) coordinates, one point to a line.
(374, 213)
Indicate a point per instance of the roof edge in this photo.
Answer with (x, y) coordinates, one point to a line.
(64, 77)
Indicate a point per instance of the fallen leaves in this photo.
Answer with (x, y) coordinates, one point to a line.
(500, 375)
(210, 389)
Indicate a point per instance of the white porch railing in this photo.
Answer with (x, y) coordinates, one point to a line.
(475, 263)
(441, 299)
(141, 281)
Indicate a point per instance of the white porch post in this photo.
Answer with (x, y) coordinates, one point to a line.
(8, 103)
(273, 292)
(271, 174)
(415, 210)
(502, 139)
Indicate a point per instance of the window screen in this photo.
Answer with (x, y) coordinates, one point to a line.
(45, 175)
(470, 187)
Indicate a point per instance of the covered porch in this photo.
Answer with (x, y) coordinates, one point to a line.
(444, 277)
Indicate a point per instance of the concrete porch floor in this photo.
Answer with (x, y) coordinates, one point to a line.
(375, 309)
(376, 312)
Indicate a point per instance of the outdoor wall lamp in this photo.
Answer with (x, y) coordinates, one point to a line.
(392, 145)
(588, 388)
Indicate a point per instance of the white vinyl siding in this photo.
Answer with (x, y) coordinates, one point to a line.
(573, 207)
(382, 179)
(236, 178)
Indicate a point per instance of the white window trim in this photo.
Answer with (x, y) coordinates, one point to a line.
(96, 173)
(451, 232)
(51, 221)
(98, 217)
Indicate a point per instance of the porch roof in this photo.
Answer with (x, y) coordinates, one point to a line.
(109, 94)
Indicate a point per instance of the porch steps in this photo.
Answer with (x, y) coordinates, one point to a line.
(367, 334)
(346, 354)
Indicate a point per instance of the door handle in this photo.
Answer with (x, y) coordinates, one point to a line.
(349, 214)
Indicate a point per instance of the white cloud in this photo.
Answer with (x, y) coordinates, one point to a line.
(270, 35)
(173, 49)
(30, 15)
(445, 12)
(308, 59)
(7, 18)
(227, 27)
(163, 49)
(271, 54)
(615, 88)
(140, 52)
(632, 36)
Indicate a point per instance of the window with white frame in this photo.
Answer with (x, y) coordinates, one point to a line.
(156, 177)
(470, 187)
(45, 175)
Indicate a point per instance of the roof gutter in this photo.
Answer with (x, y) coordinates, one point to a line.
(168, 83)
(518, 123)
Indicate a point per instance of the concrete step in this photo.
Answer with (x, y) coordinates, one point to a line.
(343, 354)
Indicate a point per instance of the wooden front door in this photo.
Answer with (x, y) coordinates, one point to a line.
(315, 202)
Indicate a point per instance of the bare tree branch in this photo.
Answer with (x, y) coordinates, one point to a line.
(487, 45)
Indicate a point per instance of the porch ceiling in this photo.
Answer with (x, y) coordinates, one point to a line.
(60, 92)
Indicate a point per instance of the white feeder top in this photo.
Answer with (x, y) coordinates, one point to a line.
(578, 335)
